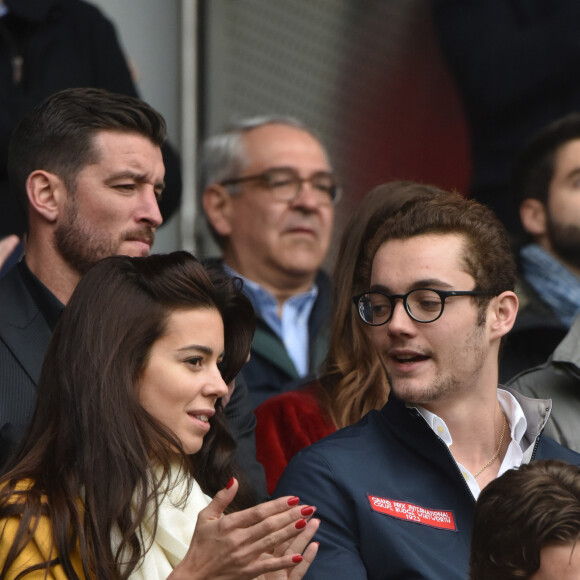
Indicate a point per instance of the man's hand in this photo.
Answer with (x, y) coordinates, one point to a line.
(7, 246)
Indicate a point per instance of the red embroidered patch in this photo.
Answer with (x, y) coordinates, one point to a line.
(442, 519)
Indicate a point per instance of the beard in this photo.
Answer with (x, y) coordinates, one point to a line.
(82, 245)
(565, 241)
(461, 369)
(436, 390)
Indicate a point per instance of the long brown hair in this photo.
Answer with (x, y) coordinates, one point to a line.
(90, 438)
(354, 380)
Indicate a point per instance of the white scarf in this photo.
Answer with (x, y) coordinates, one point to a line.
(175, 527)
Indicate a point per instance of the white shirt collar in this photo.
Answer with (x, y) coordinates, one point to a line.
(518, 426)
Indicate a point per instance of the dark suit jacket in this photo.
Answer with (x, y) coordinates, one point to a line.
(24, 337)
(270, 370)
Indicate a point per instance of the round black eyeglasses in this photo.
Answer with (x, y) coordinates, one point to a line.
(422, 304)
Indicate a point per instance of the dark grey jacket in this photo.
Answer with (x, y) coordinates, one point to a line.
(558, 379)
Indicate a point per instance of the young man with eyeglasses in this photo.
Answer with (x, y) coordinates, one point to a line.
(269, 195)
(396, 492)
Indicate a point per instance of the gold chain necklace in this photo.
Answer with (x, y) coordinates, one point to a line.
(498, 449)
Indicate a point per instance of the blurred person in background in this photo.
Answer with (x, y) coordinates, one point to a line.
(268, 194)
(546, 182)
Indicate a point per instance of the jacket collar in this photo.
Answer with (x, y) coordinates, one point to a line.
(536, 412)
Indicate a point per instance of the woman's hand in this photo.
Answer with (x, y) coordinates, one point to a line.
(301, 544)
(267, 539)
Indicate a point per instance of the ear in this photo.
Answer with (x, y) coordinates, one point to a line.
(533, 216)
(217, 205)
(46, 194)
(502, 313)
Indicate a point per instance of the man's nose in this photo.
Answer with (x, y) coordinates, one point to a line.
(400, 322)
(308, 197)
(150, 211)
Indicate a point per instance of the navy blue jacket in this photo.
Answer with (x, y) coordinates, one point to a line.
(391, 499)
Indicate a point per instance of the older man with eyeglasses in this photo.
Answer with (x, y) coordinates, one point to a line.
(269, 195)
(396, 492)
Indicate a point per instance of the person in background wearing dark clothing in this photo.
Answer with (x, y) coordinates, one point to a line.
(547, 184)
(396, 491)
(515, 63)
(268, 194)
(81, 208)
(50, 45)
(527, 525)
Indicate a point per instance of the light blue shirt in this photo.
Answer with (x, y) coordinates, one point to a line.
(292, 327)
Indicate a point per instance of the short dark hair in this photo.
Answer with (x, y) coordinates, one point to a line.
(534, 168)
(487, 255)
(58, 135)
(521, 512)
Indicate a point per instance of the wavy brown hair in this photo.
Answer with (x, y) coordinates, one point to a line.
(90, 438)
(354, 380)
(487, 255)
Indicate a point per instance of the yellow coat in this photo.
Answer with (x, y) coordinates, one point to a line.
(38, 551)
(167, 542)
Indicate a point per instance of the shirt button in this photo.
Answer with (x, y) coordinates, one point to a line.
(465, 475)
(440, 429)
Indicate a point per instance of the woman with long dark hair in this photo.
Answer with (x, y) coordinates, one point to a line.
(127, 441)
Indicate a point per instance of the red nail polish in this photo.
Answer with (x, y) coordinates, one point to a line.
(300, 524)
(307, 511)
(230, 483)
(297, 559)
(294, 501)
